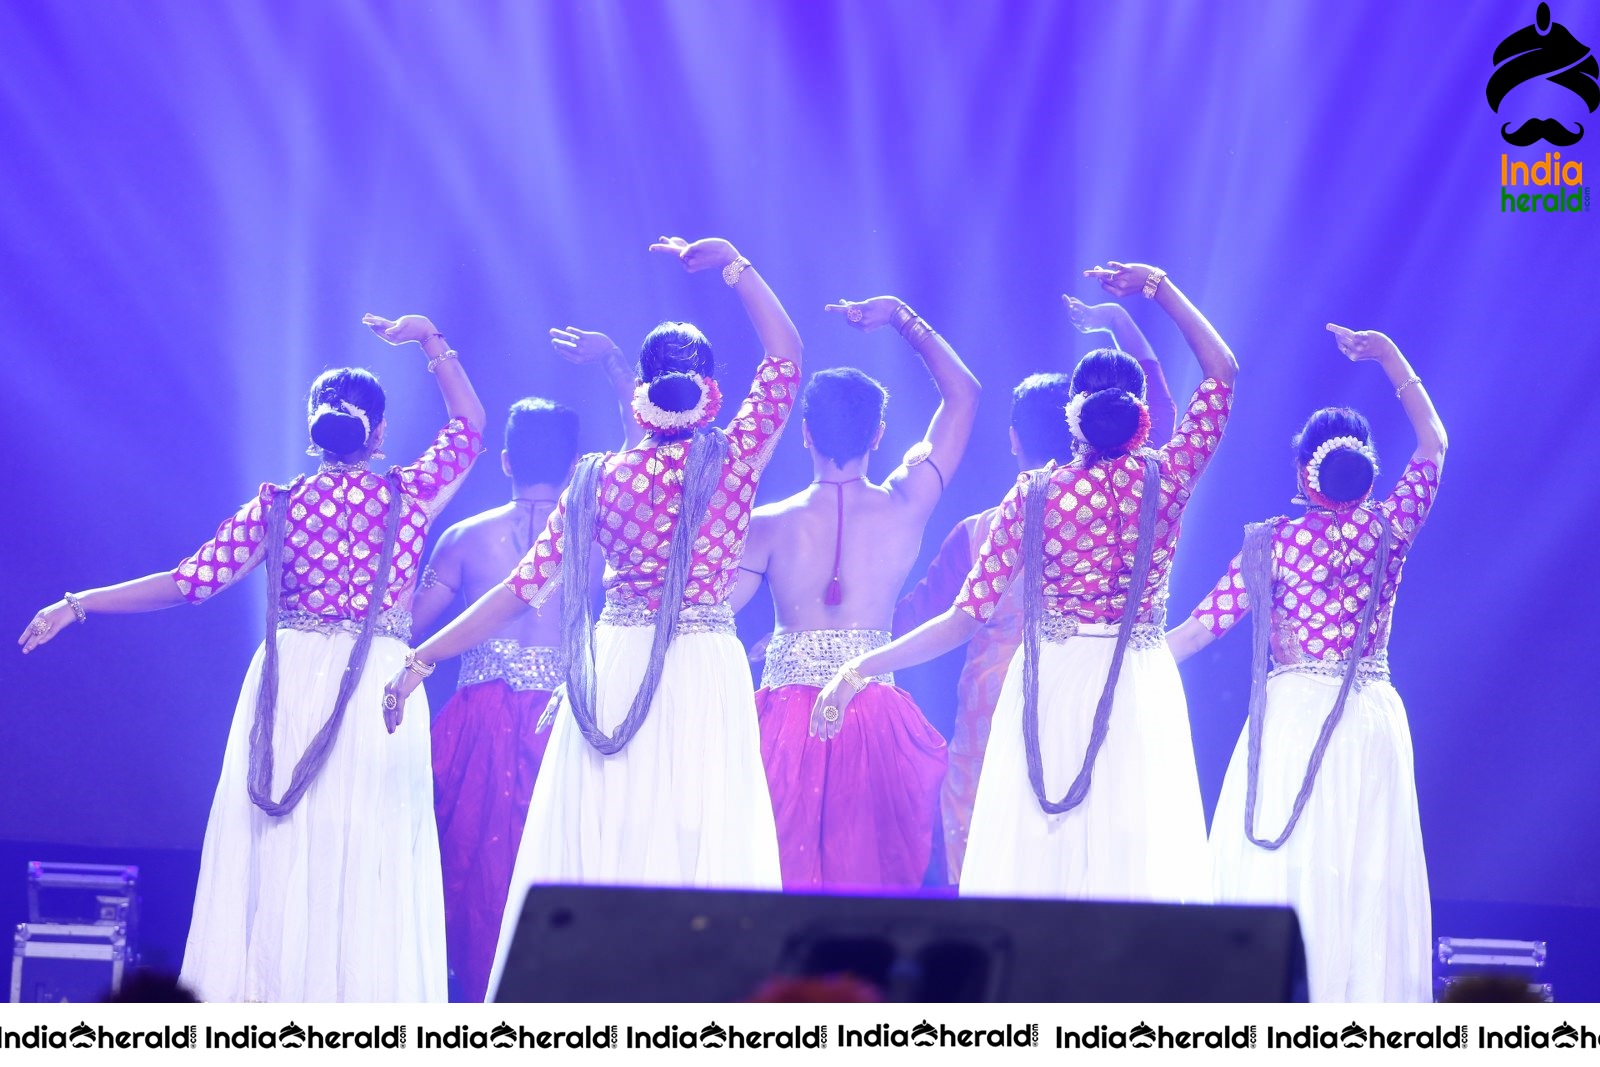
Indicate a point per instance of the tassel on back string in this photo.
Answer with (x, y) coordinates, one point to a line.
(1256, 569)
(1033, 617)
(262, 758)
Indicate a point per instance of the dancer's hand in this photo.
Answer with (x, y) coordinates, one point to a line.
(758, 651)
(400, 687)
(44, 626)
(582, 346)
(1121, 279)
(1361, 345)
(709, 253)
(1094, 318)
(405, 329)
(867, 315)
(836, 697)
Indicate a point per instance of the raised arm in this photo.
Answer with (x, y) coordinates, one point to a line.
(951, 426)
(1122, 280)
(1360, 345)
(1113, 319)
(779, 338)
(460, 400)
(588, 346)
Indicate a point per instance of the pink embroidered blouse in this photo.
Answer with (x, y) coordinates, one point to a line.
(335, 532)
(1322, 570)
(641, 491)
(1092, 525)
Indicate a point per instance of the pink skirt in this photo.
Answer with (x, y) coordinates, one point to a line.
(856, 812)
(486, 755)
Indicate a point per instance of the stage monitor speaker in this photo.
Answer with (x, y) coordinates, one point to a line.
(602, 944)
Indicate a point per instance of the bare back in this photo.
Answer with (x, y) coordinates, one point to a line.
(793, 541)
(476, 554)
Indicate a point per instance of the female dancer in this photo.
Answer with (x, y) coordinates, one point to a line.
(1319, 808)
(1093, 541)
(655, 776)
(319, 876)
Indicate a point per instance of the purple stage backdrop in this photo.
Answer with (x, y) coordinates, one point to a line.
(200, 201)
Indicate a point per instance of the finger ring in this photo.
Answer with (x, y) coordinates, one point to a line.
(390, 701)
(39, 627)
(830, 713)
(854, 314)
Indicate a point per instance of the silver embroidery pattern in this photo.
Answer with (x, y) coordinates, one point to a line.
(1057, 628)
(393, 623)
(813, 657)
(693, 619)
(524, 668)
(1373, 668)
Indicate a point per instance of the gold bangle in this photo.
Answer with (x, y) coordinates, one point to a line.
(76, 605)
(852, 678)
(734, 271)
(417, 667)
(1153, 282)
(449, 353)
(1407, 384)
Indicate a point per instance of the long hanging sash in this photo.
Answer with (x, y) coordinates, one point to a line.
(1256, 568)
(316, 753)
(1033, 535)
(708, 453)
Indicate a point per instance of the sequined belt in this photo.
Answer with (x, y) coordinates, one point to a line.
(692, 619)
(522, 667)
(813, 657)
(1373, 668)
(393, 623)
(1057, 628)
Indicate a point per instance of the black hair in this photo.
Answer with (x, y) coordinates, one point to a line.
(541, 441)
(1345, 474)
(333, 429)
(670, 353)
(843, 408)
(1110, 416)
(1036, 414)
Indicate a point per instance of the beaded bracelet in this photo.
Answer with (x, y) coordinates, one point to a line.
(76, 605)
(1407, 384)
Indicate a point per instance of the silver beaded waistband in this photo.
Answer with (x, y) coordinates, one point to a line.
(1057, 628)
(393, 623)
(524, 668)
(813, 657)
(692, 619)
(1373, 668)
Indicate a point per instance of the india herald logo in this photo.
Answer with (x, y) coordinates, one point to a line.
(1547, 50)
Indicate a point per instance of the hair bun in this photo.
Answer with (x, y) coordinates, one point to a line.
(675, 391)
(337, 432)
(1345, 476)
(1109, 419)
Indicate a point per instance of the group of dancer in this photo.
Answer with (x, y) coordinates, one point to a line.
(349, 843)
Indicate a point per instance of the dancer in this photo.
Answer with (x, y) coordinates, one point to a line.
(486, 743)
(1039, 435)
(653, 773)
(319, 876)
(1319, 807)
(858, 812)
(1094, 541)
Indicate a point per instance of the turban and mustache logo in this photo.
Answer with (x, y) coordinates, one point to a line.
(1544, 50)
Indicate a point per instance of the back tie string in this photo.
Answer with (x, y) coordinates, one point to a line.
(835, 594)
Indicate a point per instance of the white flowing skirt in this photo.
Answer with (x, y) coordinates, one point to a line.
(684, 804)
(1140, 834)
(342, 898)
(1353, 869)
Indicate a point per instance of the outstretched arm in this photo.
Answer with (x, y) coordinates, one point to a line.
(1112, 318)
(588, 346)
(778, 336)
(460, 399)
(1124, 279)
(150, 593)
(1361, 345)
(959, 391)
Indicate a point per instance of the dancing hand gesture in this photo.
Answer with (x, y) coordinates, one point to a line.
(394, 697)
(1359, 345)
(46, 624)
(867, 315)
(1121, 279)
(582, 346)
(400, 331)
(827, 714)
(1093, 318)
(710, 253)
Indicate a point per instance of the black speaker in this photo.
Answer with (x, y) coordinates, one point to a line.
(604, 944)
